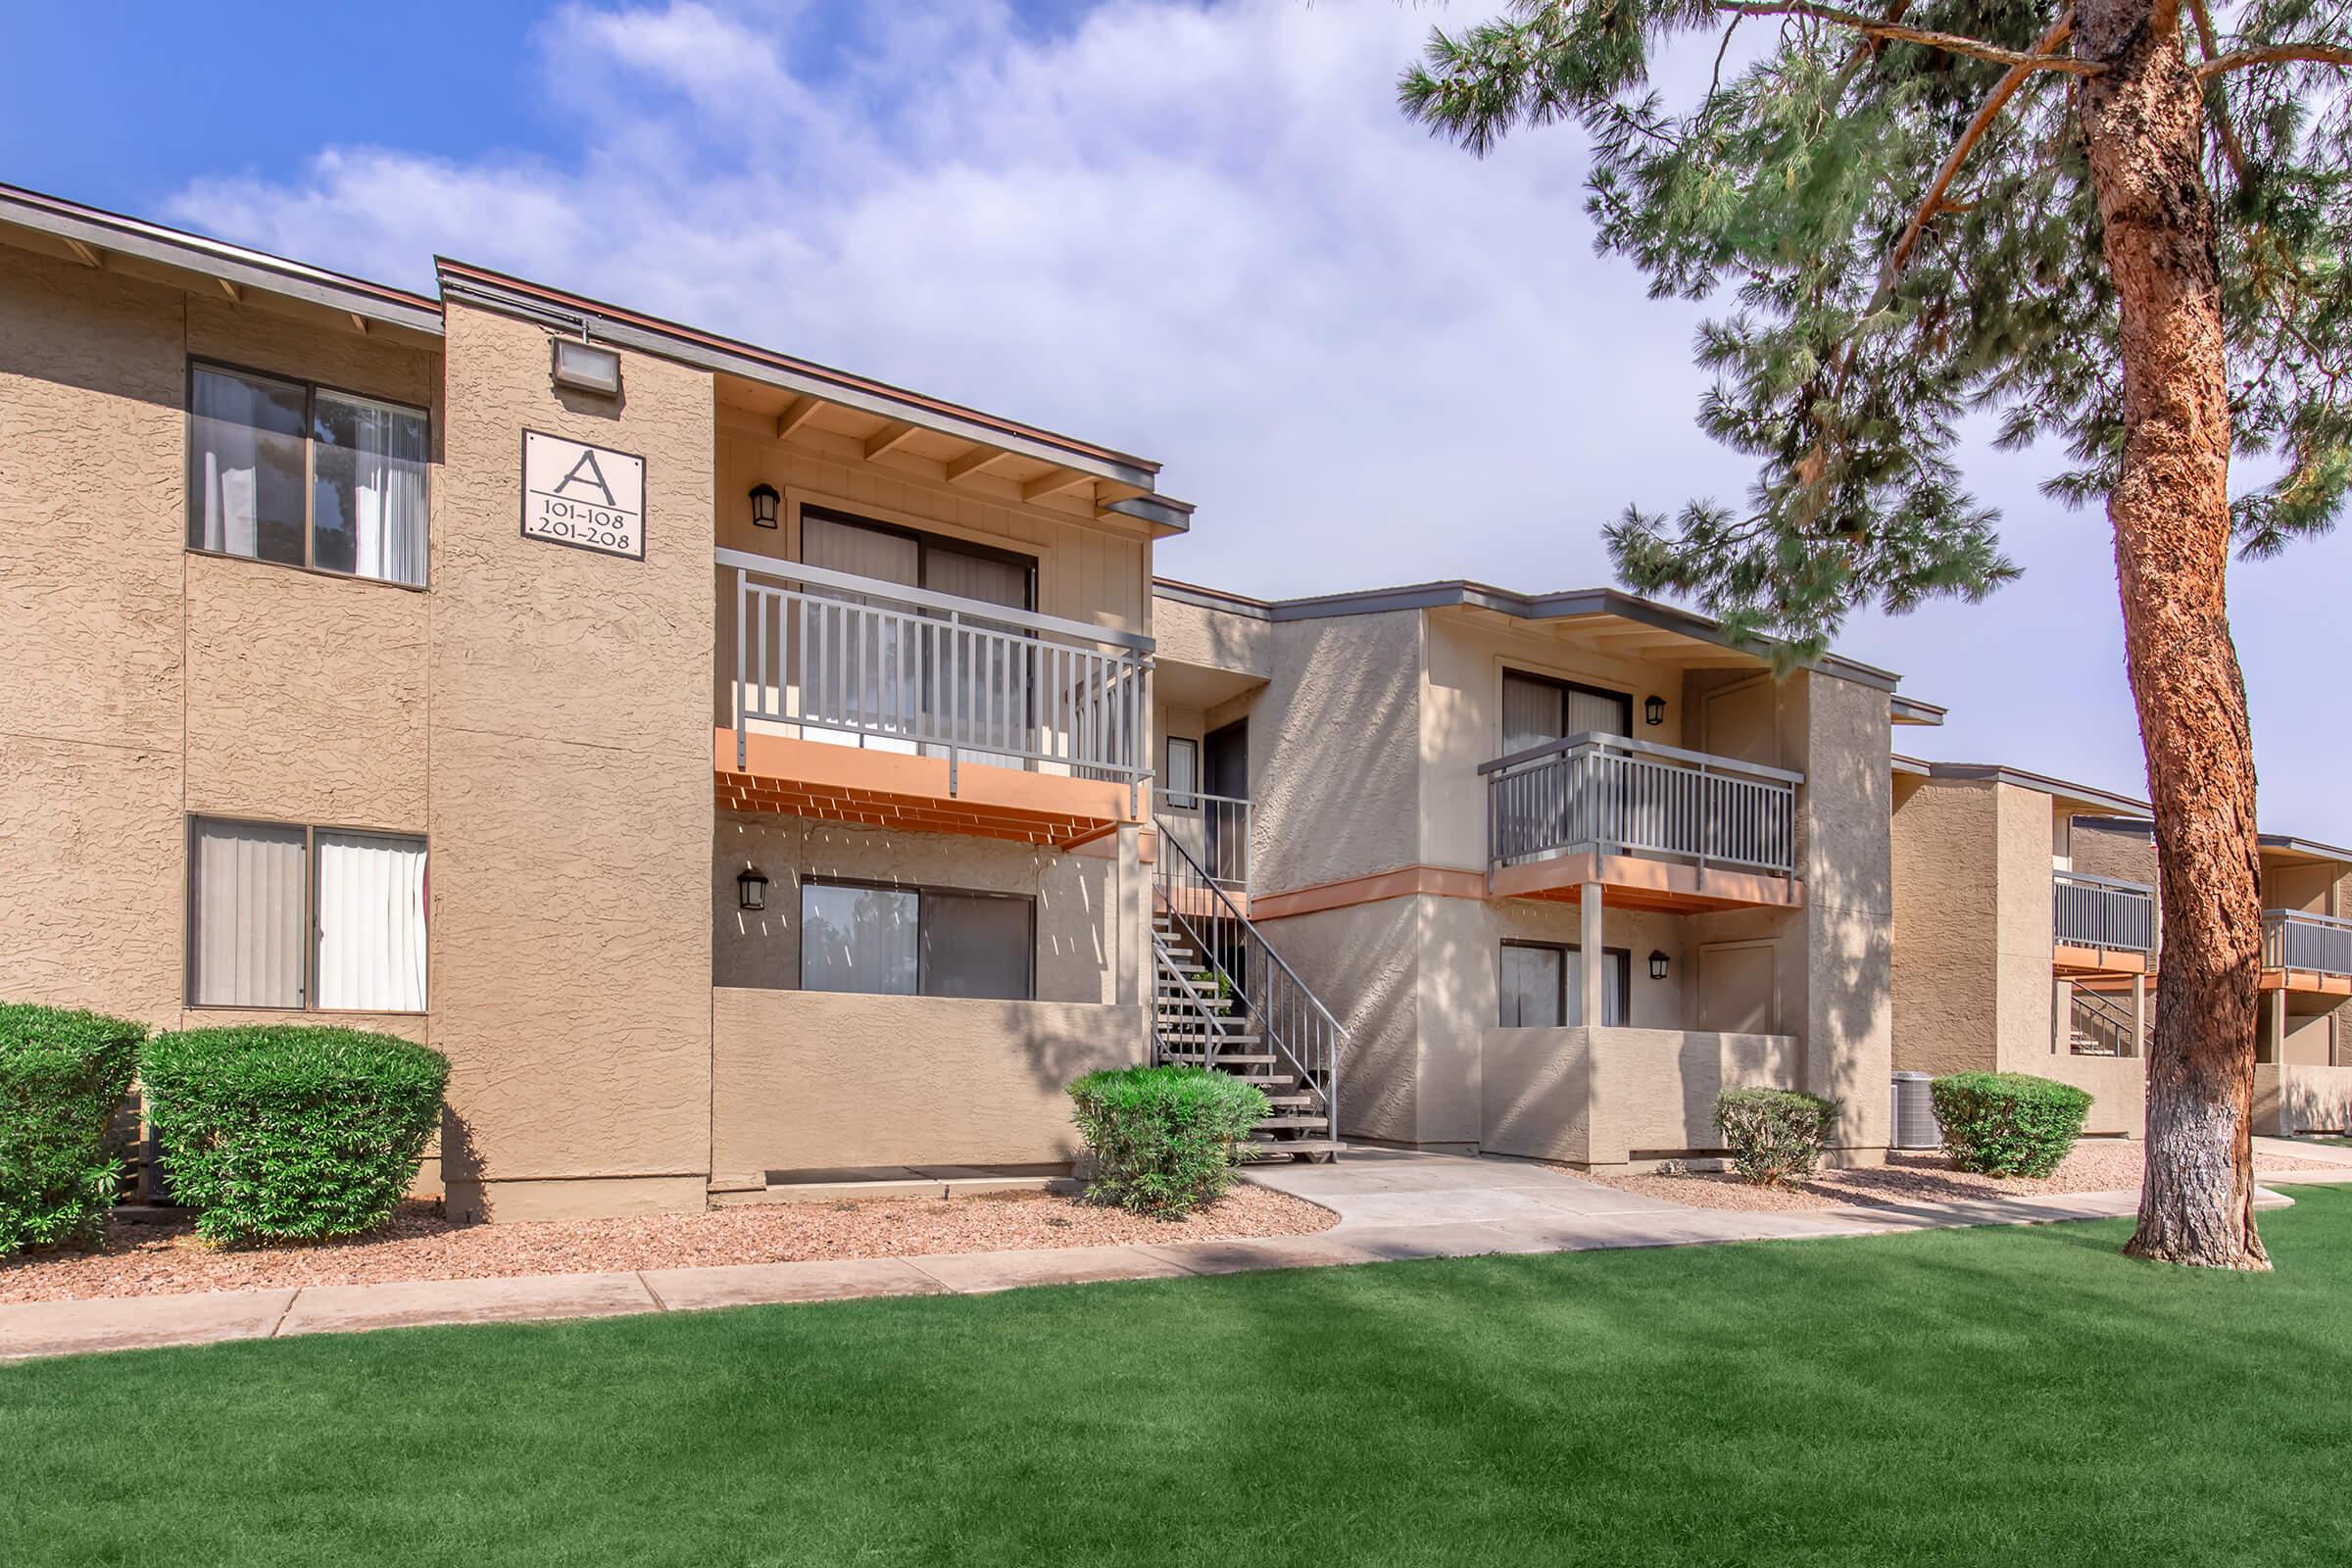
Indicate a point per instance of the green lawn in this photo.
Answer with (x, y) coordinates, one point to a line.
(1973, 1396)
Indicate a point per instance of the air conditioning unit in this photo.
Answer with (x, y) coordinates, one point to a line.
(1914, 1119)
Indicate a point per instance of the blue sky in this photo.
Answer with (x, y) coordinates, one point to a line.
(1198, 232)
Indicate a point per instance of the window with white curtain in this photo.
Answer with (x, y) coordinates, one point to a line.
(916, 942)
(282, 915)
(306, 476)
(1184, 773)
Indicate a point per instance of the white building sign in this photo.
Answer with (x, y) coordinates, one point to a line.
(591, 498)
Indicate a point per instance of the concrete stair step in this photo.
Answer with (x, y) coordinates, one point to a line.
(1237, 1058)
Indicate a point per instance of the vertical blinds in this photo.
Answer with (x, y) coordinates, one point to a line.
(247, 948)
(1536, 711)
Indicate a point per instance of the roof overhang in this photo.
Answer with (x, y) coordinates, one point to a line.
(110, 241)
(1581, 604)
(2082, 796)
(1133, 478)
(1911, 710)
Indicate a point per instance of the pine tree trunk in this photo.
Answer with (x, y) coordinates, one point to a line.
(2144, 120)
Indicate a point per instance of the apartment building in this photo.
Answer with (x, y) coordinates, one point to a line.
(2028, 929)
(737, 767)
(1455, 794)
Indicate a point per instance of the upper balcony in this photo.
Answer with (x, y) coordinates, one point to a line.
(1660, 826)
(2306, 952)
(855, 700)
(2101, 924)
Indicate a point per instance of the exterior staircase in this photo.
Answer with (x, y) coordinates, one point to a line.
(2100, 1025)
(1223, 1000)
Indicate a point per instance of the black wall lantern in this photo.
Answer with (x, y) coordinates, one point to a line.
(1654, 709)
(764, 506)
(1657, 961)
(751, 888)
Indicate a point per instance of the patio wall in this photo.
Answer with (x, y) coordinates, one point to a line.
(1594, 1097)
(2302, 1099)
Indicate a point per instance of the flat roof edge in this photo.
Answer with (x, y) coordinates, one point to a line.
(2038, 783)
(246, 267)
(549, 306)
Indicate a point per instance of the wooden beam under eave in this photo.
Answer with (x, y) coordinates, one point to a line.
(800, 413)
(359, 323)
(1056, 482)
(86, 255)
(975, 461)
(892, 436)
(235, 294)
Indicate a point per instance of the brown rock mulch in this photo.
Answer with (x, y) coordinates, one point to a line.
(1910, 1178)
(421, 1244)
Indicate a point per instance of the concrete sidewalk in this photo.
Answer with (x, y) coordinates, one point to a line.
(1392, 1205)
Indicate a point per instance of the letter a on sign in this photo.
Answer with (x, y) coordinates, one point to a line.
(590, 498)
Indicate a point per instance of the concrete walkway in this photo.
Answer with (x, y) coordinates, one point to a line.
(1392, 1204)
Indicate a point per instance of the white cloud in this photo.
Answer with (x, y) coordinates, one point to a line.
(1202, 233)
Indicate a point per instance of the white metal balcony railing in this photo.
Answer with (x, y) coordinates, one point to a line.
(1611, 794)
(2099, 912)
(1214, 830)
(2319, 943)
(935, 673)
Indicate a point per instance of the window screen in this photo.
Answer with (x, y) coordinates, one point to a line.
(246, 944)
(975, 945)
(857, 938)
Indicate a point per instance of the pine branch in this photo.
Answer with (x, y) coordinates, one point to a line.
(2224, 126)
(2278, 54)
(1934, 202)
(1950, 43)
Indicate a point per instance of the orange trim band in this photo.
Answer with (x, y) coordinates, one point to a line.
(1407, 881)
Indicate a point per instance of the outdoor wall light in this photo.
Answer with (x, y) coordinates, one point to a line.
(764, 506)
(751, 888)
(585, 367)
(1654, 709)
(1657, 960)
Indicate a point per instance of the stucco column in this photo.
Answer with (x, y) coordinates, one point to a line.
(2140, 1015)
(1591, 960)
(1132, 918)
(2278, 1026)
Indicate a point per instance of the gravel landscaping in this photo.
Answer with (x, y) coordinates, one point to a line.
(1912, 1178)
(421, 1244)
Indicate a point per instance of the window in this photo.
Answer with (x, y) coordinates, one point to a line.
(1184, 773)
(297, 918)
(1543, 986)
(304, 476)
(911, 942)
(1537, 709)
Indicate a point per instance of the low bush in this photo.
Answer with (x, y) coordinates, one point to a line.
(290, 1131)
(1776, 1136)
(2008, 1123)
(1164, 1138)
(63, 1076)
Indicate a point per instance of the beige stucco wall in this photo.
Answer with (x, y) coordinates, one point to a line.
(1847, 868)
(1335, 751)
(813, 1081)
(571, 795)
(1605, 1097)
(1078, 912)
(2118, 1087)
(1213, 639)
(1945, 989)
(2302, 1098)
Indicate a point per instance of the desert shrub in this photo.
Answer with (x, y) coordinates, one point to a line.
(2008, 1123)
(63, 1076)
(1776, 1136)
(1164, 1138)
(290, 1131)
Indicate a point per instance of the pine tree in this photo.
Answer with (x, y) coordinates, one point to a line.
(2118, 224)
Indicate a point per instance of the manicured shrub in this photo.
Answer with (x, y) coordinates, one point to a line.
(289, 1132)
(2008, 1123)
(1164, 1138)
(63, 1076)
(1776, 1136)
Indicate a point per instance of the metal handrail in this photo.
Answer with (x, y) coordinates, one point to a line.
(1213, 1023)
(2315, 943)
(1226, 819)
(1610, 794)
(2102, 911)
(2109, 1017)
(935, 671)
(1287, 1013)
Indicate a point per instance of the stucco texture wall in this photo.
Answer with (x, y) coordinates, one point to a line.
(1077, 910)
(1335, 751)
(1946, 875)
(1213, 639)
(1606, 1097)
(571, 797)
(1365, 962)
(811, 1081)
(1848, 874)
